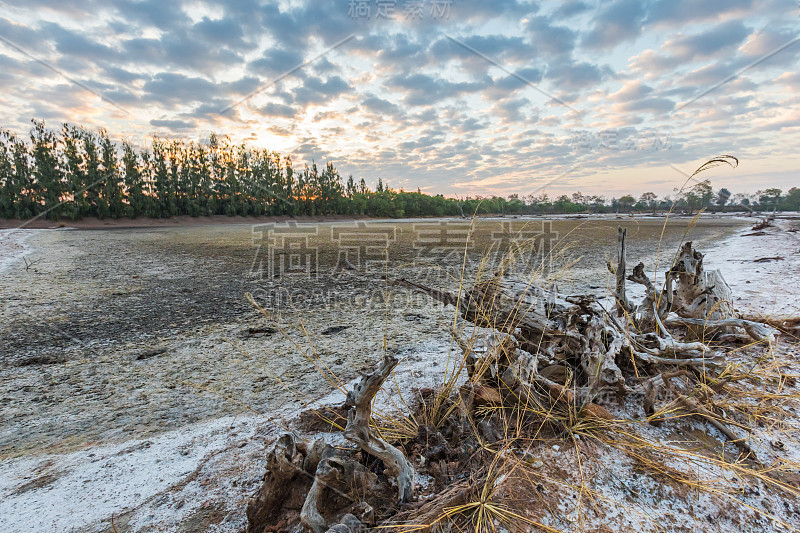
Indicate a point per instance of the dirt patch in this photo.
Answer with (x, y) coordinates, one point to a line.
(40, 482)
(108, 301)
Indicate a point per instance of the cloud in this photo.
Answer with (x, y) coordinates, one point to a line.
(172, 124)
(708, 43)
(278, 110)
(476, 54)
(179, 50)
(571, 8)
(574, 76)
(632, 90)
(316, 91)
(380, 106)
(687, 11)
(69, 43)
(649, 105)
(619, 22)
(227, 32)
(173, 89)
(422, 89)
(157, 13)
(510, 110)
(415, 105)
(768, 41)
(275, 61)
(549, 40)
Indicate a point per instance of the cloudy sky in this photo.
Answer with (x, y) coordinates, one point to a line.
(453, 97)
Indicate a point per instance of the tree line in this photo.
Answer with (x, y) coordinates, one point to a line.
(77, 173)
(700, 196)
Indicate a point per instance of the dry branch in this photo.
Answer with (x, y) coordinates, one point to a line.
(359, 429)
(694, 406)
(700, 293)
(756, 330)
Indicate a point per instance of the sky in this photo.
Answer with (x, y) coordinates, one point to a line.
(454, 97)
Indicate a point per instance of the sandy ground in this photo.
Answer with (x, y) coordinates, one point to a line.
(136, 386)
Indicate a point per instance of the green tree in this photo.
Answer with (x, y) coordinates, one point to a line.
(648, 199)
(770, 198)
(626, 202)
(723, 196)
(8, 194)
(112, 180)
(47, 184)
(75, 174)
(134, 181)
(791, 201)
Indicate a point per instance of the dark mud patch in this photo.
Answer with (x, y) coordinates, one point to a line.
(333, 330)
(147, 354)
(260, 332)
(38, 360)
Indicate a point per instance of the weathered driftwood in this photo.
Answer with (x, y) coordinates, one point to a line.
(757, 331)
(694, 407)
(318, 485)
(360, 432)
(576, 334)
(334, 476)
(289, 473)
(574, 330)
(428, 515)
(782, 323)
(623, 305)
(699, 293)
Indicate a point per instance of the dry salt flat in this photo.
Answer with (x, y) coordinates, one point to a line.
(13, 245)
(199, 477)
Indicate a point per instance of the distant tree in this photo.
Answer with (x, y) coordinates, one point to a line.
(47, 183)
(792, 200)
(704, 192)
(627, 201)
(74, 172)
(8, 193)
(133, 181)
(25, 194)
(578, 198)
(770, 198)
(648, 199)
(740, 198)
(112, 180)
(597, 203)
(699, 196)
(723, 196)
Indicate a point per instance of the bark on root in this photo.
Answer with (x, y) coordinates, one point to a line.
(360, 432)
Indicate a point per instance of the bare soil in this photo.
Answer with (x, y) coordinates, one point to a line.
(122, 333)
